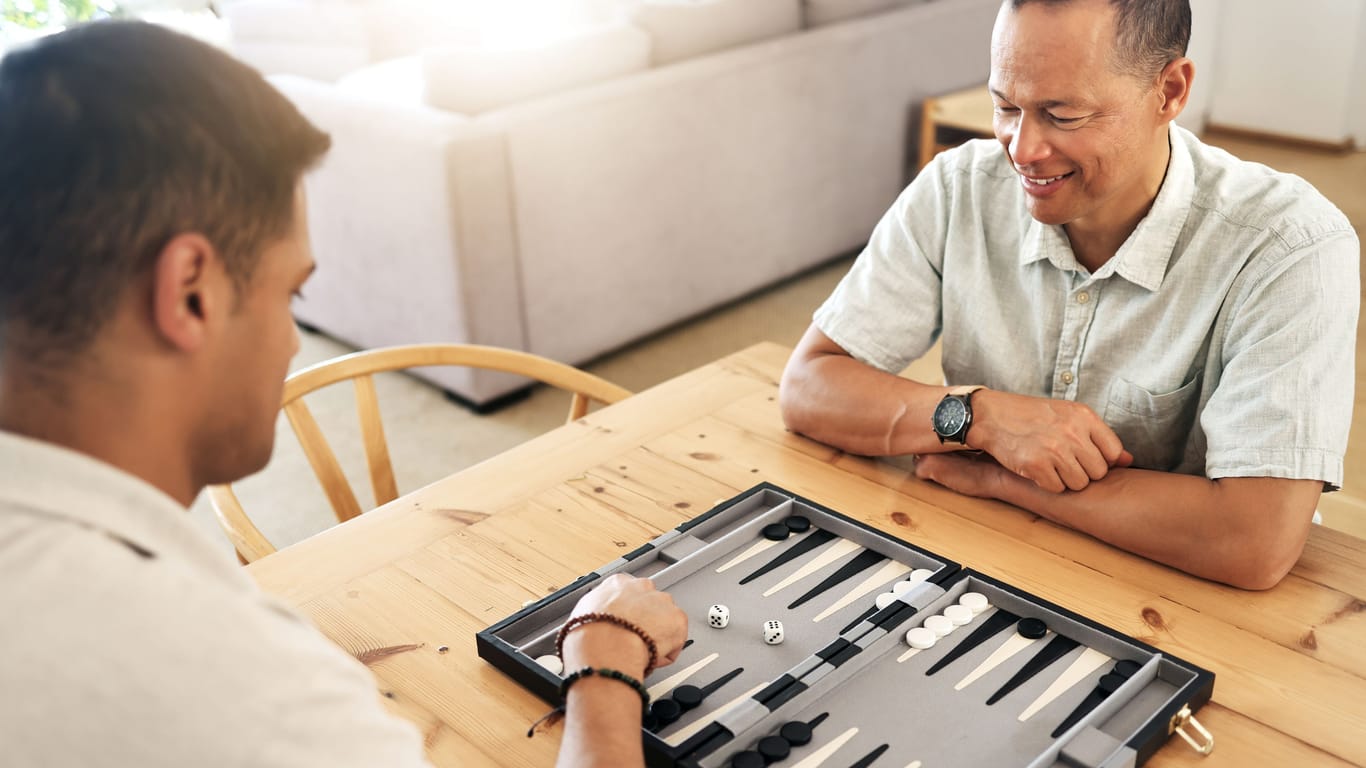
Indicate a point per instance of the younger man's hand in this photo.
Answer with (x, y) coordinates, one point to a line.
(601, 644)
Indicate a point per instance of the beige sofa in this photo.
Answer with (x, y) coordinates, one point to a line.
(572, 222)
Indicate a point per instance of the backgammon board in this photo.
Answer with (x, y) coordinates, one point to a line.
(816, 640)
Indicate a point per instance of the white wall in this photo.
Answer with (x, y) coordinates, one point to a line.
(1291, 67)
(1203, 50)
(1359, 89)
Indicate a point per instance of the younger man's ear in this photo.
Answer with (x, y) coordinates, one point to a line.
(185, 290)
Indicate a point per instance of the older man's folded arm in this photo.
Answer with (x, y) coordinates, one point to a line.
(831, 397)
(1247, 532)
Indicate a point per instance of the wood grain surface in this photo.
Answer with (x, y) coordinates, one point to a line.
(432, 568)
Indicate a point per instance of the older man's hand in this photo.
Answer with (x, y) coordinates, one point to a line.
(1058, 445)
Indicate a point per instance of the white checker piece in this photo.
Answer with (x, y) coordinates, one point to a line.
(939, 625)
(551, 662)
(958, 614)
(975, 601)
(921, 638)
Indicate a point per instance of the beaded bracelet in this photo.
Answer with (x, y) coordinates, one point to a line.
(589, 618)
(554, 715)
(613, 674)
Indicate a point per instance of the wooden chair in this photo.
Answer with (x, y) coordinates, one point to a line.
(360, 367)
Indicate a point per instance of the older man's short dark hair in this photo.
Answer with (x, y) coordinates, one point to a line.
(1150, 34)
(114, 138)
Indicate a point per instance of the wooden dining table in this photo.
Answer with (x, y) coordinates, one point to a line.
(406, 587)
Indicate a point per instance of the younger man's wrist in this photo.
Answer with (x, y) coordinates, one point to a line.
(601, 644)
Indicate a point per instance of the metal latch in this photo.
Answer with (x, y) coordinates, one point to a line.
(1178, 724)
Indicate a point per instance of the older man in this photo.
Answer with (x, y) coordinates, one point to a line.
(152, 236)
(1148, 339)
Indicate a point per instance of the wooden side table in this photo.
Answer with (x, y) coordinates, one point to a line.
(949, 120)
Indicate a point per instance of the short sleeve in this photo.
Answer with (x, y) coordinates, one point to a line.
(1283, 404)
(887, 311)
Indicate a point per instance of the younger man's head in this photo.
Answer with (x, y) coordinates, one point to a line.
(151, 234)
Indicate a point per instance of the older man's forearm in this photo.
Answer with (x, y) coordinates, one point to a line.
(1246, 532)
(842, 402)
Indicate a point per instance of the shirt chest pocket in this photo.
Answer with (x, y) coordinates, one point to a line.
(1154, 427)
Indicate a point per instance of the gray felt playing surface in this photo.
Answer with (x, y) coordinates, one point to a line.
(924, 718)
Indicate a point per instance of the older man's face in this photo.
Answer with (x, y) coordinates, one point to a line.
(1081, 135)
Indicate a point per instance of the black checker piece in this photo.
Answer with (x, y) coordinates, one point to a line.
(747, 759)
(1032, 628)
(776, 532)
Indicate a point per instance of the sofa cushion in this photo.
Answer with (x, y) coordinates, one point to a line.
(319, 62)
(395, 81)
(821, 12)
(477, 78)
(683, 29)
(404, 27)
(312, 22)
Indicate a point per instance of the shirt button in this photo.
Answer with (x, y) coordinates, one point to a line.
(1083, 297)
(1067, 377)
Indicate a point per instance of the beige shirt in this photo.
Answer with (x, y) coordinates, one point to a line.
(127, 639)
(1218, 341)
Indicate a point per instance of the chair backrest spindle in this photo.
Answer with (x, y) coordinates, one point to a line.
(578, 407)
(376, 446)
(323, 460)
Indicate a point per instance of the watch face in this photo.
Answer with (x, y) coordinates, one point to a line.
(950, 416)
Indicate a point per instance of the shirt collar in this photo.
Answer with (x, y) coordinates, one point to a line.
(49, 480)
(1143, 258)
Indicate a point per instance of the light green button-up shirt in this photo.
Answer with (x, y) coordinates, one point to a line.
(1219, 340)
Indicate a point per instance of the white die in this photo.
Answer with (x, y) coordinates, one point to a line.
(718, 616)
(773, 631)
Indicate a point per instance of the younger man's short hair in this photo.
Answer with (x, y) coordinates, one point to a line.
(114, 138)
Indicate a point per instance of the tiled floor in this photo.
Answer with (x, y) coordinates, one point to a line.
(431, 438)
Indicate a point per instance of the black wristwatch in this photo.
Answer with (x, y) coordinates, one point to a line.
(953, 415)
